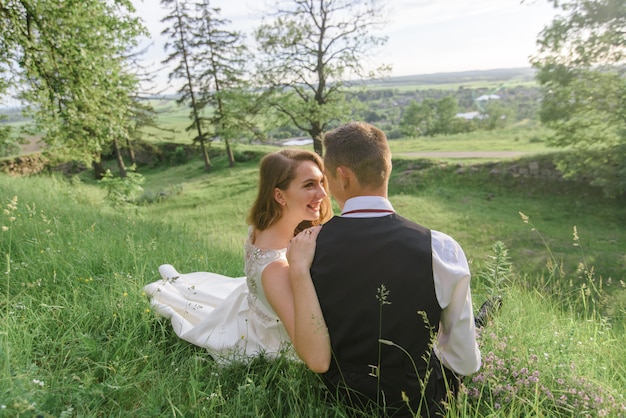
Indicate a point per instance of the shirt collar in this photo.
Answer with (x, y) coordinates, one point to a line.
(367, 202)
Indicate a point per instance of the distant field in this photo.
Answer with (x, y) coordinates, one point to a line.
(519, 139)
(454, 81)
(174, 120)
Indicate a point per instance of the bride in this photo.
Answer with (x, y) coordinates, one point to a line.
(236, 318)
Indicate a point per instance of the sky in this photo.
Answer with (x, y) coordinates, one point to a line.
(424, 36)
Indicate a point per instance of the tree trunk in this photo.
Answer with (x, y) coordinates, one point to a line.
(192, 93)
(98, 169)
(316, 134)
(229, 152)
(120, 160)
(205, 155)
(317, 145)
(131, 152)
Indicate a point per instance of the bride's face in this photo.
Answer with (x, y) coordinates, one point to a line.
(303, 197)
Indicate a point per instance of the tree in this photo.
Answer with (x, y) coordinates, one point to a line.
(431, 117)
(69, 61)
(7, 144)
(182, 23)
(582, 71)
(417, 118)
(496, 115)
(445, 111)
(309, 49)
(220, 62)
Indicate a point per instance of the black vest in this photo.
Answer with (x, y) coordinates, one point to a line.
(374, 280)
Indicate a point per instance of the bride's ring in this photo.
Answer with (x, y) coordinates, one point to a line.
(307, 232)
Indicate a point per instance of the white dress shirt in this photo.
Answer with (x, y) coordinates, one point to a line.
(456, 344)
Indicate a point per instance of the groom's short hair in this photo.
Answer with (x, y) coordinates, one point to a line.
(362, 148)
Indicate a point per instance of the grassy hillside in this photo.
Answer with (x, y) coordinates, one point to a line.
(78, 338)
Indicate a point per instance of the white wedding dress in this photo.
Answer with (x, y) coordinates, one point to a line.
(229, 316)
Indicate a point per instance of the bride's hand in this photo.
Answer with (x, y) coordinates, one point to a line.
(301, 248)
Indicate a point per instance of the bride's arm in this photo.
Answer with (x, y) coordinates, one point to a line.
(311, 339)
(277, 289)
(293, 298)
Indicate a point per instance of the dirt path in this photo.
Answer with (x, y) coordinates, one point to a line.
(33, 145)
(463, 154)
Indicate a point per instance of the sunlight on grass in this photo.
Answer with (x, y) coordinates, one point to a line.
(513, 138)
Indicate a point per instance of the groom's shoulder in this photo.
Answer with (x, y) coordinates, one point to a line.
(412, 224)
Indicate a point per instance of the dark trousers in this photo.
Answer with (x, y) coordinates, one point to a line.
(365, 395)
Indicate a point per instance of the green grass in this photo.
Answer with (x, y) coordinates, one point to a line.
(524, 137)
(454, 81)
(78, 338)
(478, 209)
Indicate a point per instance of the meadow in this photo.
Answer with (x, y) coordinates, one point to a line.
(78, 337)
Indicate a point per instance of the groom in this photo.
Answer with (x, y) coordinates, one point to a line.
(394, 295)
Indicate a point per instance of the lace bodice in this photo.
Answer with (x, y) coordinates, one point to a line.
(255, 261)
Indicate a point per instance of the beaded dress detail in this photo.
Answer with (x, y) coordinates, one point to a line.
(229, 316)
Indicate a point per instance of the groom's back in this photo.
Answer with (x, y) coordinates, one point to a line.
(374, 281)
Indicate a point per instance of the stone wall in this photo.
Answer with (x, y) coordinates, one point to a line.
(24, 165)
(146, 154)
(541, 169)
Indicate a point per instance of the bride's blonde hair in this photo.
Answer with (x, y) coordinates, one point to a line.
(278, 169)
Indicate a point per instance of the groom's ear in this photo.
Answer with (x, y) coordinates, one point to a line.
(344, 176)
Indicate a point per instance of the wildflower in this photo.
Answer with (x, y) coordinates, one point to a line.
(5, 228)
(478, 378)
(405, 398)
(38, 382)
(13, 204)
(576, 239)
(524, 217)
(382, 294)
